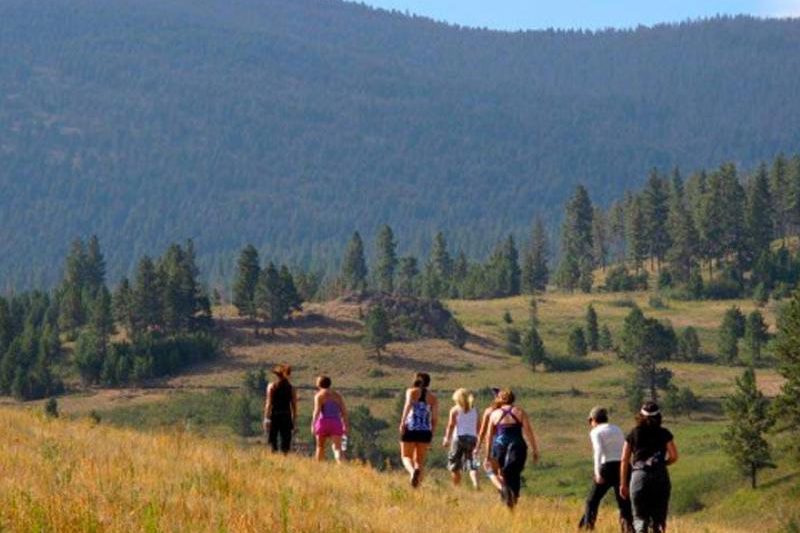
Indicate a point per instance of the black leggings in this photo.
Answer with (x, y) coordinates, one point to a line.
(281, 427)
(511, 458)
(610, 474)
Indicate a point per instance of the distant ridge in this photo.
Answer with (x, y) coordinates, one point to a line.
(290, 123)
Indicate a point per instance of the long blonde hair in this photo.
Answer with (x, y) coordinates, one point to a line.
(464, 399)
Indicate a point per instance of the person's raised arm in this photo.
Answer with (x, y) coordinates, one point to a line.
(672, 453)
(530, 436)
(406, 409)
(317, 409)
(624, 470)
(451, 424)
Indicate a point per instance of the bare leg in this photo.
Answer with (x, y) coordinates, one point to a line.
(337, 448)
(420, 451)
(456, 477)
(473, 476)
(407, 456)
(319, 453)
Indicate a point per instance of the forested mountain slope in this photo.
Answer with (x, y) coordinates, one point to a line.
(290, 123)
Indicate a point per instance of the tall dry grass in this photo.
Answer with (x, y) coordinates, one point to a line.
(64, 476)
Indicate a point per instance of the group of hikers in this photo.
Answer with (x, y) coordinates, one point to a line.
(634, 466)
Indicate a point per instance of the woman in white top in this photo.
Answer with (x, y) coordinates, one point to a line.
(462, 437)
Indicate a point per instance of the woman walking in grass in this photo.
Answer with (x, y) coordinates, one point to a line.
(511, 435)
(417, 424)
(485, 444)
(461, 437)
(280, 410)
(329, 420)
(649, 449)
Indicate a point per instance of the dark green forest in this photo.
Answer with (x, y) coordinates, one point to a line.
(291, 123)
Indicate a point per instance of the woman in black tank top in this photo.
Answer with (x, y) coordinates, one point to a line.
(280, 410)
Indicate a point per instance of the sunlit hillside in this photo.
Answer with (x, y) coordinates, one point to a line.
(77, 476)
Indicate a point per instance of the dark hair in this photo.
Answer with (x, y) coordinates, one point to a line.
(601, 416)
(422, 380)
(649, 415)
(324, 382)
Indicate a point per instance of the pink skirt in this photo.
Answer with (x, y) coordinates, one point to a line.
(328, 427)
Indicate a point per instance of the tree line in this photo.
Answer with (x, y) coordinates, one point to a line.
(145, 329)
(710, 236)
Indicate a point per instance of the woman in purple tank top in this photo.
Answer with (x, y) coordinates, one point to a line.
(329, 420)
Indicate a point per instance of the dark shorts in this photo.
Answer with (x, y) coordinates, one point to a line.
(461, 452)
(424, 437)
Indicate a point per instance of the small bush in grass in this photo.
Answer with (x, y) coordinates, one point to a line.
(513, 342)
(376, 373)
(51, 408)
(507, 317)
(656, 302)
(569, 363)
(622, 302)
(576, 345)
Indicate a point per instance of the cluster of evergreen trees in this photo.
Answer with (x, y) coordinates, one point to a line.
(29, 346)
(267, 295)
(443, 275)
(165, 314)
(722, 222)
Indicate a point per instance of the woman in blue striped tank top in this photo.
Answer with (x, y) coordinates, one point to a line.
(417, 424)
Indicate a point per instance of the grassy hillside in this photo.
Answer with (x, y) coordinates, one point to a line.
(326, 340)
(77, 476)
(290, 123)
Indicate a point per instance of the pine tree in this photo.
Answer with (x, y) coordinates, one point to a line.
(759, 217)
(377, 333)
(73, 312)
(94, 267)
(290, 297)
(655, 208)
(735, 241)
(576, 344)
(728, 337)
(787, 349)
(744, 439)
(438, 270)
(122, 305)
(387, 260)
(635, 235)
(408, 273)
(779, 191)
(147, 311)
(616, 228)
(592, 329)
(606, 341)
(711, 221)
(577, 242)
(600, 238)
(511, 266)
(536, 273)
(244, 286)
(793, 207)
(354, 266)
(271, 305)
(755, 336)
(533, 350)
(689, 345)
(682, 233)
(646, 342)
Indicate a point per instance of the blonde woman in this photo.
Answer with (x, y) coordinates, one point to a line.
(461, 436)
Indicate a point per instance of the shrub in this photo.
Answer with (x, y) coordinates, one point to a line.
(507, 317)
(722, 289)
(576, 345)
(623, 302)
(513, 342)
(51, 408)
(689, 345)
(656, 302)
(664, 279)
(242, 417)
(569, 363)
(620, 280)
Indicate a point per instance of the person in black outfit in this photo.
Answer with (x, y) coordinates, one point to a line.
(280, 410)
(649, 449)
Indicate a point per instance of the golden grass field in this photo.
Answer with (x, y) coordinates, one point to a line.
(161, 476)
(70, 476)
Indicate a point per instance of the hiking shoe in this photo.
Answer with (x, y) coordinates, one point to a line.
(415, 478)
(508, 497)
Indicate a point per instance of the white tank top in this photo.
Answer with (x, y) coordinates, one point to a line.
(466, 422)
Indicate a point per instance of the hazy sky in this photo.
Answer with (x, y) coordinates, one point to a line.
(535, 14)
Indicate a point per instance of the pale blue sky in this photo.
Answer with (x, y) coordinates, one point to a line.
(593, 14)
